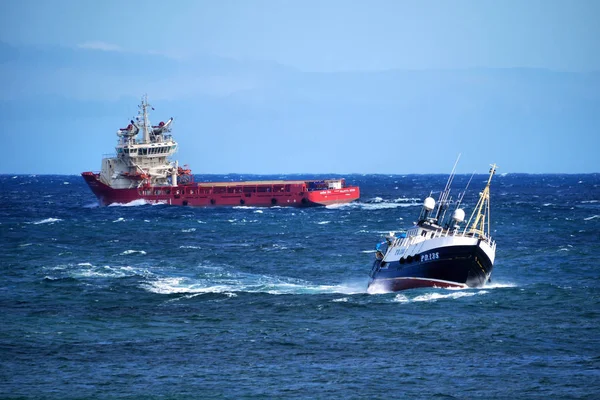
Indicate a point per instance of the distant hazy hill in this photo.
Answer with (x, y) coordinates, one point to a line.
(260, 117)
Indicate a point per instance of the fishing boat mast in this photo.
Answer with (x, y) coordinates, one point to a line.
(481, 213)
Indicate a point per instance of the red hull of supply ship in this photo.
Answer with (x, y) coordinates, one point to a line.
(142, 170)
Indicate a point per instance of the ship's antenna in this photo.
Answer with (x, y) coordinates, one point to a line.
(462, 196)
(481, 213)
(144, 106)
(443, 199)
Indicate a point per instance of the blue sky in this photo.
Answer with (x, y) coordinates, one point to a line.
(320, 87)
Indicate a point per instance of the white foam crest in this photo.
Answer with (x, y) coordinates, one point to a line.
(405, 199)
(591, 218)
(438, 296)
(275, 246)
(323, 222)
(384, 205)
(174, 285)
(400, 298)
(377, 288)
(458, 292)
(245, 208)
(340, 300)
(589, 201)
(190, 247)
(368, 251)
(498, 285)
(47, 221)
(188, 230)
(138, 202)
(89, 270)
(120, 219)
(340, 206)
(127, 252)
(236, 283)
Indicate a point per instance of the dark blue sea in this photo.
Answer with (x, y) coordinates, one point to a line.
(162, 302)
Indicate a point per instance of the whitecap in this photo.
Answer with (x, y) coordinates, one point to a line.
(127, 252)
(323, 222)
(400, 298)
(107, 271)
(138, 202)
(66, 183)
(405, 199)
(377, 288)
(589, 201)
(47, 221)
(591, 218)
(384, 206)
(120, 219)
(368, 251)
(258, 211)
(190, 247)
(340, 300)
(220, 282)
(438, 296)
(188, 230)
(498, 285)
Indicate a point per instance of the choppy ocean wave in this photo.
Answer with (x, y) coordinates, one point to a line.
(144, 301)
(247, 283)
(47, 221)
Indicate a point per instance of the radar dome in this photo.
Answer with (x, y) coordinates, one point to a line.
(429, 204)
(459, 215)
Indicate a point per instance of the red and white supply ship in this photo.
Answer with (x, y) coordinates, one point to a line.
(141, 169)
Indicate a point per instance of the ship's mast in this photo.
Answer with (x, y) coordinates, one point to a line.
(481, 213)
(144, 107)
